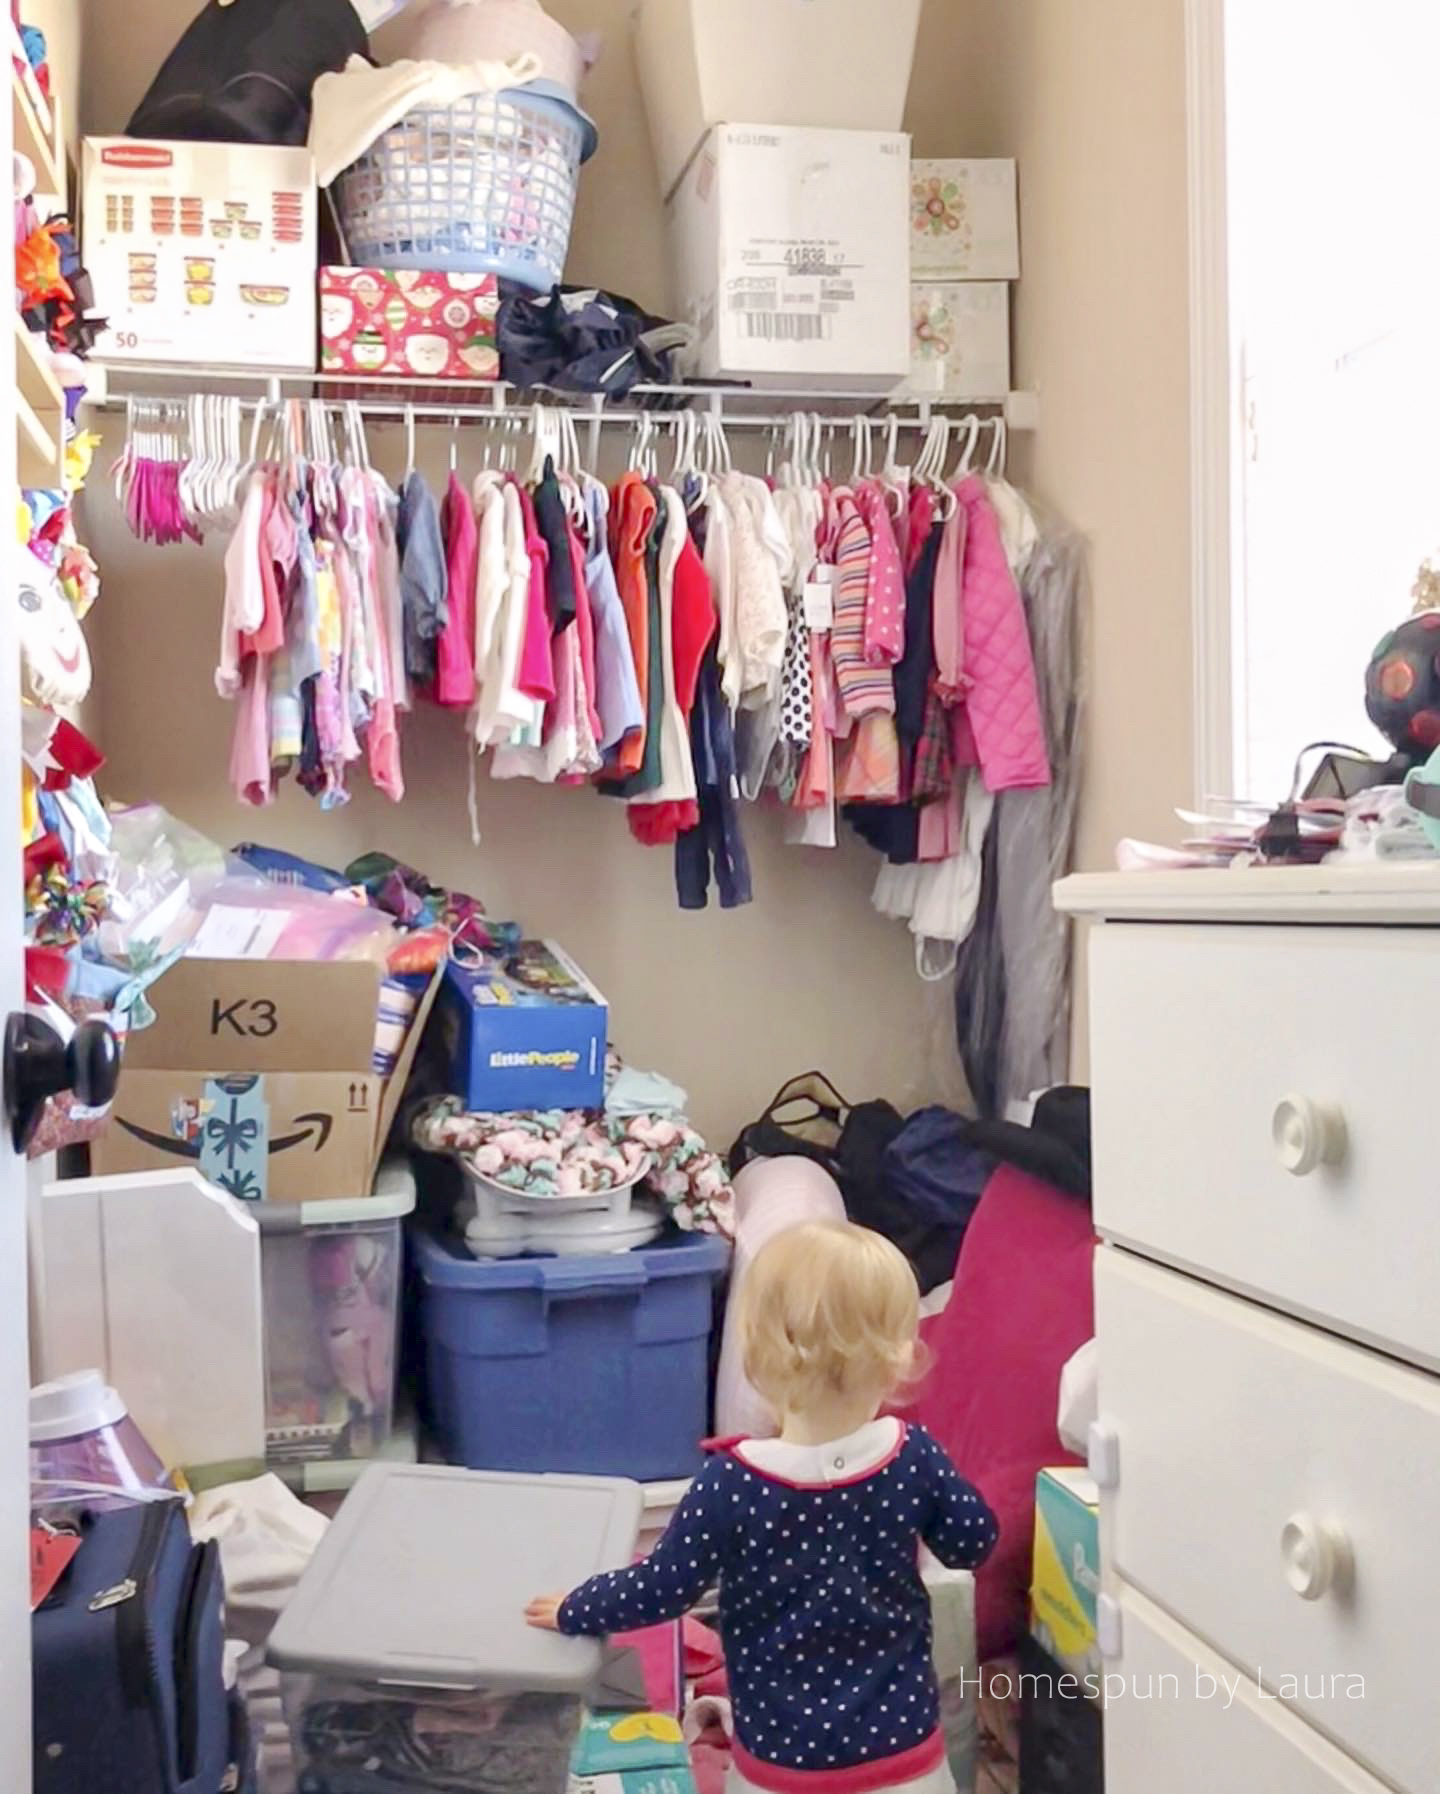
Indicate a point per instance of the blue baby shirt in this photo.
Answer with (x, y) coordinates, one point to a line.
(825, 1618)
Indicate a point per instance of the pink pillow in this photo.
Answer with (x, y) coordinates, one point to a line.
(1023, 1303)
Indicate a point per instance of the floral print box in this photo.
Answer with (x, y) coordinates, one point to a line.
(434, 326)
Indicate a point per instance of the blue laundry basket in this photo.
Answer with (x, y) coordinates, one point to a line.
(596, 1366)
(484, 186)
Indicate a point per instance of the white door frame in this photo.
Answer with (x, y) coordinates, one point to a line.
(15, 1710)
(1214, 397)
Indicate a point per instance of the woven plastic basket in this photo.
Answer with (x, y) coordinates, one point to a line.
(484, 186)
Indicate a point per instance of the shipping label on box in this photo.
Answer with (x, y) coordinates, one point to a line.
(202, 251)
(1066, 1579)
(436, 326)
(527, 1032)
(790, 255)
(964, 220)
(960, 340)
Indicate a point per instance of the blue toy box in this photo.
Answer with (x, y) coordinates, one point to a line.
(593, 1366)
(526, 1030)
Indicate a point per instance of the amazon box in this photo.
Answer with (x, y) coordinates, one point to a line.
(261, 1074)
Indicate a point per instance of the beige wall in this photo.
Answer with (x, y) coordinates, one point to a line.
(1089, 95)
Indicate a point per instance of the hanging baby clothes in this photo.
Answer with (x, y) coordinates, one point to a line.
(1001, 703)
(621, 712)
(687, 621)
(632, 515)
(455, 655)
(715, 842)
(422, 578)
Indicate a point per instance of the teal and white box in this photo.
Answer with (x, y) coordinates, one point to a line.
(524, 1030)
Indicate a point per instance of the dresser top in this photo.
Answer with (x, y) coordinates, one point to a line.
(1379, 893)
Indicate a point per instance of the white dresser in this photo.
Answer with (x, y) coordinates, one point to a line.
(1265, 1062)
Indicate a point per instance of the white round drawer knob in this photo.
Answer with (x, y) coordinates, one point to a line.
(1317, 1556)
(1307, 1134)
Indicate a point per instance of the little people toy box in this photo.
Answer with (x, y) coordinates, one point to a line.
(404, 1655)
(526, 1031)
(435, 326)
(596, 1365)
(202, 251)
(1066, 1577)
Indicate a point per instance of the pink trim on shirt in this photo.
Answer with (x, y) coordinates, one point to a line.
(859, 1778)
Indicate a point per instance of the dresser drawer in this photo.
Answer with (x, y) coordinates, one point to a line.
(1278, 1491)
(1189, 1723)
(1263, 1115)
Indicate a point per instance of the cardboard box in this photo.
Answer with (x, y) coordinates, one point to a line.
(202, 251)
(259, 1072)
(1066, 1578)
(960, 340)
(964, 220)
(436, 326)
(844, 66)
(528, 1033)
(790, 256)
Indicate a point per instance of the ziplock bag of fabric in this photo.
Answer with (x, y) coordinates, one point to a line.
(578, 339)
(243, 70)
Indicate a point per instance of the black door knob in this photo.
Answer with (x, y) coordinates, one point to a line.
(39, 1065)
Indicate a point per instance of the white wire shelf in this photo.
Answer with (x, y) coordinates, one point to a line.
(399, 396)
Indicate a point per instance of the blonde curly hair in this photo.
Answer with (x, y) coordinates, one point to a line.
(829, 1309)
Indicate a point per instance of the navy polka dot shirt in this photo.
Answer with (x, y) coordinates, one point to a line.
(825, 1618)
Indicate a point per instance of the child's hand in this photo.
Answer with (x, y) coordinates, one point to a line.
(543, 1612)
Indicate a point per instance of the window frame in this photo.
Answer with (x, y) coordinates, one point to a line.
(1216, 423)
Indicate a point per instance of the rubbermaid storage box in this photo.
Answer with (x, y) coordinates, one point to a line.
(404, 1655)
(593, 1365)
(331, 1278)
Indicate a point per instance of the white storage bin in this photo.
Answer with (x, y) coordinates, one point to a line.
(404, 1655)
(331, 1279)
(841, 63)
(791, 257)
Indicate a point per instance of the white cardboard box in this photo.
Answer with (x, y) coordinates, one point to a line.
(841, 64)
(790, 258)
(960, 340)
(964, 220)
(202, 251)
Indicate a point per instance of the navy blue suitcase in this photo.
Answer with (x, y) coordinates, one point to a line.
(129, 1693)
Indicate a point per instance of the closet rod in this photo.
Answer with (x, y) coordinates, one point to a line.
(727, 403)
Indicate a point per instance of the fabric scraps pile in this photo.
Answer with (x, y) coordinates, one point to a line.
(568, 1152)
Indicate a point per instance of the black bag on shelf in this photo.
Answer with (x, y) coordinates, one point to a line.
(243, 71)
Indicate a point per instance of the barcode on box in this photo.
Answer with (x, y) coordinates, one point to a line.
(786, 326)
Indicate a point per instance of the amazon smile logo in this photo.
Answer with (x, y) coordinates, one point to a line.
(314, 1130)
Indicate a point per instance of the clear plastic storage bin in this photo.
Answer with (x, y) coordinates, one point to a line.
(404, 1655)
(331, 1273)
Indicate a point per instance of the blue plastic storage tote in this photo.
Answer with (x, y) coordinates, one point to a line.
(598, 1366)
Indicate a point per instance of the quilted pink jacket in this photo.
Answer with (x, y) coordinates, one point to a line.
(1002, 703)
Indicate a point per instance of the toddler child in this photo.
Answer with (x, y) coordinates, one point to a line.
(815, 1536)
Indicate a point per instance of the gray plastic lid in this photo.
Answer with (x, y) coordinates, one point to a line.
(423, 1578)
